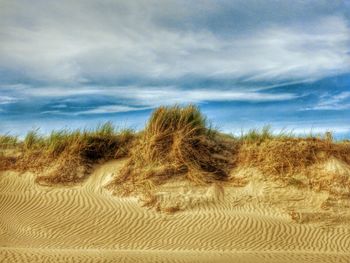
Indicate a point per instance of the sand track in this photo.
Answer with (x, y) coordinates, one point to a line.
(86, 224)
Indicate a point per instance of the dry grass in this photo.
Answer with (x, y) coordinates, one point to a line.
(6, 162)
(285, 156)
(8, 141)
(67, 156)
(8, 144)
(289, 158)
(176, 142)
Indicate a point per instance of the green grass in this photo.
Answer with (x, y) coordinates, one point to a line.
(8, 141)
(170, 119)
(33, 140)
(59, 141)
(264, 134)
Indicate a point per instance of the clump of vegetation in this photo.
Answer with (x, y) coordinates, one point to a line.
(283, 157)
(33, 140)
(265, 133)
(6, 162)
(286, 155)
(67, 156)
(176, 142)
(8, 141)
(7, 145)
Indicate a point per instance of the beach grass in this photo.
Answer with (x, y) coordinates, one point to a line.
(65, 152)
(176, 142)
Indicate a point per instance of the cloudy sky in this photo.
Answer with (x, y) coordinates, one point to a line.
(246, 63)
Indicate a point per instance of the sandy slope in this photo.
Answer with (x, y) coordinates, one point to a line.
(247, 224)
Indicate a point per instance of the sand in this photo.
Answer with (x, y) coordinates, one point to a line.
(260, 222)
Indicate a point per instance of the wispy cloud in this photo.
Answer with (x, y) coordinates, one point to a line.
(131, 98)
(110, 109)
(339, 101)
(89, 41)
(88, 59)
(170, 95)
(7, 100)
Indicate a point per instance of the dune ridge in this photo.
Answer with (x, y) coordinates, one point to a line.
(176, 191)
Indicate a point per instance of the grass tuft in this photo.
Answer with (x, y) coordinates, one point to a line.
(8, 141)
(285, 158)
(264, 134)
(67, 156)
(33, 140)
(176, 142)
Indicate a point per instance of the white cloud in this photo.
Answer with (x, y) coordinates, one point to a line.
(109, 109)
(7, 100)
(148, 97)
(333, 102)
(81, 41)
(171, 95)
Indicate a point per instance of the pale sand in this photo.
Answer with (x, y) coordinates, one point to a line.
(86, 223)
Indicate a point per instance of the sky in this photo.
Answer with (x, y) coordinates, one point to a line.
(245, 63)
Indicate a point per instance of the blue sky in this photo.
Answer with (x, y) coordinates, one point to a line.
(69, 64)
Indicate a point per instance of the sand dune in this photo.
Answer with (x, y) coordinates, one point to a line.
(260, 222)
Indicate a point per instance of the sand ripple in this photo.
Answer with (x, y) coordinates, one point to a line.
(86, 224)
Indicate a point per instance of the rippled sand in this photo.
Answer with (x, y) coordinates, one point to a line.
(260, 222)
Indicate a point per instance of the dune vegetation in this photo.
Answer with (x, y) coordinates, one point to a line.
(65, 156)
(177, 142)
